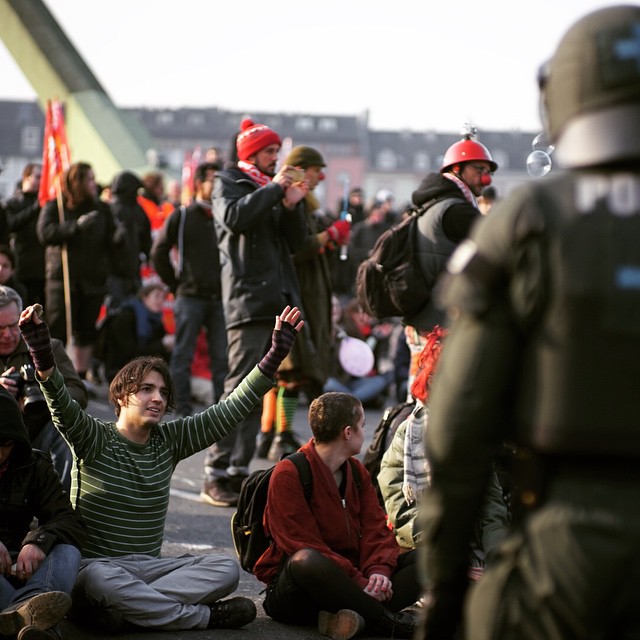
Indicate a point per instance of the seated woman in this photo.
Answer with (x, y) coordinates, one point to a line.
(371, 384)
(136, 329)
(404, 473)
(332, 558)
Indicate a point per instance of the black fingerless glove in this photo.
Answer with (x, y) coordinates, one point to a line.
(281, 343)
(38, 341)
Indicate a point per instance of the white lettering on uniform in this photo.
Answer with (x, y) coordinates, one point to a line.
(621, 192)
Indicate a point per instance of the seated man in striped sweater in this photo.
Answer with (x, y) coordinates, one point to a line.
(120, 485)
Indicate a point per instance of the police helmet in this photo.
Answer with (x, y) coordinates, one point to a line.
(590, 89)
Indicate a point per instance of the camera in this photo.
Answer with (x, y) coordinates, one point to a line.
(28, 388)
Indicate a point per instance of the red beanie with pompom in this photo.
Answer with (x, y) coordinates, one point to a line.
(254, 137)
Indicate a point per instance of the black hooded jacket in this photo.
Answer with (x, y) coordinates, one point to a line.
(127, 211)
(30, 487)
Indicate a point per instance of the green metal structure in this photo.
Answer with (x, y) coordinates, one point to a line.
(97, 131)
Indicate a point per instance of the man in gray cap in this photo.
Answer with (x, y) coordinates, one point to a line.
(544, 352)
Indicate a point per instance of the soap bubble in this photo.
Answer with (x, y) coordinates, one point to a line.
(538, 163)
(541, 143)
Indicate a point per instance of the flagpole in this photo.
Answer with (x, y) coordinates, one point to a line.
(64, 256)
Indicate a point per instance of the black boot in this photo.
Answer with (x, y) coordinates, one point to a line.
(397, 625)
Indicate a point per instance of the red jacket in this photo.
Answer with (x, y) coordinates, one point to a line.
(353, 534)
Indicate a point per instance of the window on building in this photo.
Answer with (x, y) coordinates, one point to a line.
(196, 119)
(164, 118)
(304, 123)
(386, 160)
(421, 161)
(327, 124)
(501, 158)
(30, 139)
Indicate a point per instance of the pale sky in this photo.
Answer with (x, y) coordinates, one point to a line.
(413, 64)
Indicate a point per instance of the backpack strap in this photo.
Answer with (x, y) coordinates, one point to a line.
(304, 469)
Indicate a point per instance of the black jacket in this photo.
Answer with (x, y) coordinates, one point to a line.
(129, 213)
(194, 241)
(256, 238)
(90, 249)
(459, 218)
(22, 216)
(30, 487)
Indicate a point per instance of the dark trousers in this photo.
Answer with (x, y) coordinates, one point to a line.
(309, 583)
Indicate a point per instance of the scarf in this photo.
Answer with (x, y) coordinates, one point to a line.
(146, 321)
(254, 173)
(464, 187)
(416, 475)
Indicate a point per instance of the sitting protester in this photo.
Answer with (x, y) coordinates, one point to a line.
(332, 558)
(38, 565)
(135, 329)
(404, 473)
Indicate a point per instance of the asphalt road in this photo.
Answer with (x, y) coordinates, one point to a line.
(198, 528)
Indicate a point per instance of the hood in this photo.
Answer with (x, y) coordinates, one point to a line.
(12, 425)
(126, 184)
(435, 186)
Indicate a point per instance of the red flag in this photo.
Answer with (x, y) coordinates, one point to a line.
(189, 166)
(55, 152)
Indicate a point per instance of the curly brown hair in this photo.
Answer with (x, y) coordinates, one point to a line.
(129, 379)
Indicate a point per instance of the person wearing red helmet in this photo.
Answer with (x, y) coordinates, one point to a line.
(451, 193)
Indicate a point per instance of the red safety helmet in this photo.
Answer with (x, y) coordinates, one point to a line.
(465, 150)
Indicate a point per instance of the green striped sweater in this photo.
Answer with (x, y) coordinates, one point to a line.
(121, 488)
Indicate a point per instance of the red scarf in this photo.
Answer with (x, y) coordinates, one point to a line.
(463, 187)
(254, 173)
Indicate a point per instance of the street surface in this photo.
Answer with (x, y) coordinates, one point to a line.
(198, 528)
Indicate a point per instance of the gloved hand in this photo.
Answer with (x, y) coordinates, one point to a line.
(38, 340)
(281, 342)
(339, 231)
(87, 219)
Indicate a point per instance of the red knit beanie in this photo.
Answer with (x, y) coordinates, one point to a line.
(254, 137)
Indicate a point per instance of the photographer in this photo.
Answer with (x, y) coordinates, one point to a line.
(17, 377)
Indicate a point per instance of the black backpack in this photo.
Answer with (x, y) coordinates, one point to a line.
(391, 419)
(249, 539)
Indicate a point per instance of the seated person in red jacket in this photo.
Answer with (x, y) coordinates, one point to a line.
(136, 329)
(332, 558)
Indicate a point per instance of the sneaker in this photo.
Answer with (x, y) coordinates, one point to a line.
(283, 444)
(263, 443)
(340, 626)
(43, 611)
(219, 493)
(398, 625)
(232, 614)
(34, 633)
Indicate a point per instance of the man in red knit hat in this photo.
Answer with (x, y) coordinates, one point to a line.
(259, 219)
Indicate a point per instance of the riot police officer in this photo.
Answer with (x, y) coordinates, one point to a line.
(544, 351)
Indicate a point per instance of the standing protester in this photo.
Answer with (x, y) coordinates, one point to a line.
(194, 279)
(259, 219)
(125, 280)
(88, 234)
(122, 578)
(545, 352)
(310, 362)
(22, 217)
(38, 565)
(466, 170)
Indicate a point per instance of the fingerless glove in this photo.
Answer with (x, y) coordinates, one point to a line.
(38, 341)
(281, 343)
